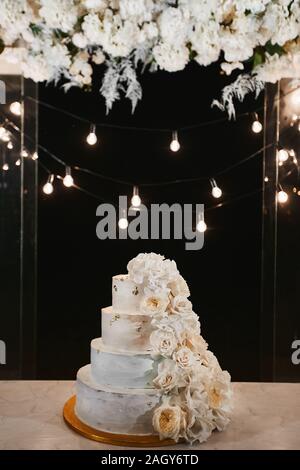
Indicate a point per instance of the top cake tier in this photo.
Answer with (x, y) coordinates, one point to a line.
(126, 295)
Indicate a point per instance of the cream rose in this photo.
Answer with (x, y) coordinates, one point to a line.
(154, 304)
(179, 287)
(181, 304)
(152, 269)
(195, 343)
(163, 342)
(167, 376)
(184, 358)
(168, 421)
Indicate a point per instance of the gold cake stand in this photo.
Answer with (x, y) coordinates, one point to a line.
(107, 437)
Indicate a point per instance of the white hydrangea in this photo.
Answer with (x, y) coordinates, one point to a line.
(173, 26)
(37, 68)
(59, 14)
(15, 18)
(92, 28)
(171, 58)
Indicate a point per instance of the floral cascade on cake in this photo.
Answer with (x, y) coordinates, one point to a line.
(152, 372)
(197, 393)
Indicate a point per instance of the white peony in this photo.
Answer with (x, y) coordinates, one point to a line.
(163, 341)
(152, 270)
(179, 287)
(154, 304)
(180, 304)
(184, 358)
(98, 5)
(168, 376)
(169, 421)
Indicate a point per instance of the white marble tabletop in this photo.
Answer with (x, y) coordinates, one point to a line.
(266, 416)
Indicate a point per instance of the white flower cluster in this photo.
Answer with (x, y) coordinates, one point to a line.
(164, 34)
(196, 392)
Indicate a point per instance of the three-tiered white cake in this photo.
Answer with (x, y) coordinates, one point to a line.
(151, 372)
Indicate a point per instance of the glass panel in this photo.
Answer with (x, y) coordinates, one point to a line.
(18, 174)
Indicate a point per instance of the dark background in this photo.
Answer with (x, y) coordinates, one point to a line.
(75, 268)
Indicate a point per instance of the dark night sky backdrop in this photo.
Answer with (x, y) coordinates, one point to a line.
(75, 268)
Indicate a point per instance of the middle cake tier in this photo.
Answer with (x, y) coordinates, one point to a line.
(121, 369)
(129, 332)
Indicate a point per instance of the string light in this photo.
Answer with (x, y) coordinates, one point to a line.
(10, 145)
(201, 225)
(174, 145)
(48, 187)
(256, 125)
(18, 162)
(5, 167)
(123, 222)
(283, 155)
(24, 153)
(136, 200)
(294, 190)
(92, 138)
(68, 179)
(16, 108)
(282, 196)
(35, 156)
(216, 191)
(266, 179)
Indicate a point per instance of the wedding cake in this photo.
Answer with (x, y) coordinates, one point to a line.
(151, 371)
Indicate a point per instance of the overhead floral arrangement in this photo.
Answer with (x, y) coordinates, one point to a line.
(61, 39)
(196, 392)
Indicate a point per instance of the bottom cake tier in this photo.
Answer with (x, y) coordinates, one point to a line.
(120, 411)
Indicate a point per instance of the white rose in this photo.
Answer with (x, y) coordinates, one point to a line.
(168, 376)
(195, 343)
(169, 421)
(152, 269)
(181, 304)
(179, 287)
(219, 391)
(184, 358)
(98, 57)
(154, 304)
(79, 40)
(163, 342)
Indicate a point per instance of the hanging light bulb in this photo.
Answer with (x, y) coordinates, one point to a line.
(174, 145)
(10, 145)
(282, 196)
(256, 125)
(201, 225)
(48, 187)
(266, 179)
(35, 156)
(216, 191)
(68, 180)
(18, 162)
(283, 155)
(123, 222)
(5, 135)
(5, 167)
(24, 153)
(136, 200)
(16, 108)
(92, 138)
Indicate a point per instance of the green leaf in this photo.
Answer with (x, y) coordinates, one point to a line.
(36, 30)
(274, 49)
(258, 58)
